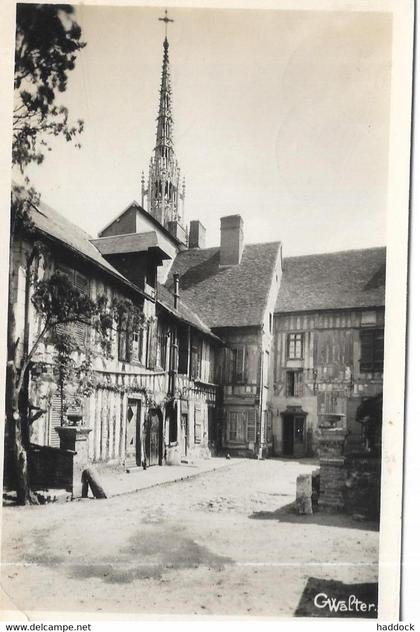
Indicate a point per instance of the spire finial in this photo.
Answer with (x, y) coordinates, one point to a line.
(166, 20)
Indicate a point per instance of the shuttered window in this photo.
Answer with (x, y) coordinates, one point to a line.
(372, 350)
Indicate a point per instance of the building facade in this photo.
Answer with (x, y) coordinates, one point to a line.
(328, 346)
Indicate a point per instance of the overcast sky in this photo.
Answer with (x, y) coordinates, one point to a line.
(280, 116)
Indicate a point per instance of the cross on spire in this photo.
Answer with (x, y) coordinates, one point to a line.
(166, 20)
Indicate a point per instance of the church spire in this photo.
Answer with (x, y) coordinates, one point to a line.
(165, 193)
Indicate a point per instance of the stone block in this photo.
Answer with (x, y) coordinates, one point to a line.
(304, 494)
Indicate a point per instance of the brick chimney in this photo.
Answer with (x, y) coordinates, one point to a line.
(197, 235)
(231, 240)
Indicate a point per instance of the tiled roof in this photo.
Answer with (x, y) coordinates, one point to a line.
(59, 228)
(183, 312)
(234, 296)
(337, 280)
(51, 223)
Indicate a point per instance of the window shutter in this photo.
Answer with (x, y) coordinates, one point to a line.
(197, 422)
(252, 426)
(55, 420)
(152, 346)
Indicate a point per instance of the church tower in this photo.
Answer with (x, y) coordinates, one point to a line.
(165, 193)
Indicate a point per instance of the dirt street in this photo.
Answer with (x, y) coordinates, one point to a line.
(225, 543)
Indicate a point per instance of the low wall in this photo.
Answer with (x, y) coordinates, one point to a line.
(50, 468)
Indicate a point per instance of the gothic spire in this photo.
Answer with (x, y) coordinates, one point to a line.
(165, 194)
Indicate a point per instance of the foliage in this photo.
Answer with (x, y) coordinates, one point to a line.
(47, 42)
(58, 301)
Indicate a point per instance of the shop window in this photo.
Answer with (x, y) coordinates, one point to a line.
(295, 346)
(372, 350)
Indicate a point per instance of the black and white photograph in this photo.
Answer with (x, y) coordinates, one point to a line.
(204, 267)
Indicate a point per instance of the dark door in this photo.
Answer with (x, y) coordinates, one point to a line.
(153, 438)
(133, 451)
(288, 435)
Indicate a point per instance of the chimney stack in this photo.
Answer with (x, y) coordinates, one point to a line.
(197, 235)
(176, 290)
(231, 240)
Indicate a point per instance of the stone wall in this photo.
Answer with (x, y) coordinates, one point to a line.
(350, 483)
(332, 472)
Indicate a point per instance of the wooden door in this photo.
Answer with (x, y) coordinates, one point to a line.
(133, 450)
(153, 438)
(299, 443)
(288, 435)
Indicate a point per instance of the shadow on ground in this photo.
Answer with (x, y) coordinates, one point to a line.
(150, 555)
(330, 598)
(288, 514)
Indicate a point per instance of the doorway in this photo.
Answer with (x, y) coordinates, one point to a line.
(294, 435)
(184, 435)
(133, 450)
(153, 437)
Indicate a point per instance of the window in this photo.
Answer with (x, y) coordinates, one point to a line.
(271, 323)
(239, 365)
(163, 343)
(195, 363)
(295, 346)
(78, 330)
(294, 383)
(183, 350)
(372, 350)
(234, 426)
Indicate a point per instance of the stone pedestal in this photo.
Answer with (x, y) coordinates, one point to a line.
(332, 471)
(74, 439)
(304, 494)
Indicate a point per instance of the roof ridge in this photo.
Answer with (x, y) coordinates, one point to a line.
(334, 252)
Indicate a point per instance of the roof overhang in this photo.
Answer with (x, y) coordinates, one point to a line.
(149, 242)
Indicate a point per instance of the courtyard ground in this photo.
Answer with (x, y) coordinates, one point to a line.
(226, 542)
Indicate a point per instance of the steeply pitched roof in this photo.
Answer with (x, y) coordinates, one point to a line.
(53, 224)
(234, 296)
(184, 313)
(337, 280)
